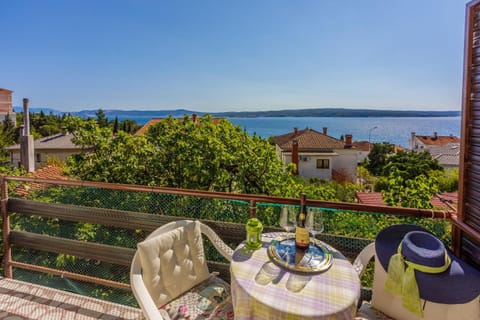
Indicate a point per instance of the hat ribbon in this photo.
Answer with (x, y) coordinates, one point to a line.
(402, 282)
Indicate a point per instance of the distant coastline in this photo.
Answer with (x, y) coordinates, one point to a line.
(318, 112)
(338, 112)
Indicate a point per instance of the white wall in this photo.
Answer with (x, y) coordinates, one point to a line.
(308, 168)
(60, 155)
(346, 163)
(343, 161)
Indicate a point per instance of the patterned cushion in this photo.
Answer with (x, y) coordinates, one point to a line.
(368, 312)
(208, 300)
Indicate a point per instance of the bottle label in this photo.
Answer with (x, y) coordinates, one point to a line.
(302, 237)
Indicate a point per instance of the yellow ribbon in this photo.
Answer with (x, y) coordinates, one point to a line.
(402, 282)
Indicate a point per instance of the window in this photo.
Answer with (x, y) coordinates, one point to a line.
(323, 163)
(39, 158)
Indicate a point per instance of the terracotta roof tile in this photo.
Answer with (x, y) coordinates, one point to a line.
(438, 200)
(361, 145)
(308, 140)
(49, 172)
(438, 140)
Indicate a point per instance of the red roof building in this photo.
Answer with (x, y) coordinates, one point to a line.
(318, 155)
(51, 172)
(445, 200)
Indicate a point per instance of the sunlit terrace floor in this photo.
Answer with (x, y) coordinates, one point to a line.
(20, 300)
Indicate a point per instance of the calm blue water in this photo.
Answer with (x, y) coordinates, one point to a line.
(393, 130)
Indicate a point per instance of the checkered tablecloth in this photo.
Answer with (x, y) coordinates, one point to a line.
(332, 294)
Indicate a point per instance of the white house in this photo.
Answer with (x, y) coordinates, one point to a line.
(446, 149)
(58, 146)
(317, 155)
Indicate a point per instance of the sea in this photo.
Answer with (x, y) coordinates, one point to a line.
(396, 130)
(384, 129)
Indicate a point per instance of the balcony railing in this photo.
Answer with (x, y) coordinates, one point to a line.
(81, 236)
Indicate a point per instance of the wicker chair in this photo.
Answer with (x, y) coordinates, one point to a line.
(169, 275)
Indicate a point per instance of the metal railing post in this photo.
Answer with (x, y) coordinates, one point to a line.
(7, 251)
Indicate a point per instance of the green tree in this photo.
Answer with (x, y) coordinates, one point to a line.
(8, 136)
(115, 125)
(447, 179)
(410, 193)
(119, 159)
(129, 126)
(411, 164)
(216, 156)
(204, 155)
(102, 120)
(377, 157)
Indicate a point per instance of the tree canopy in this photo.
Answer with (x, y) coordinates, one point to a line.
(378, 156)
(205, 155)
(411, 164)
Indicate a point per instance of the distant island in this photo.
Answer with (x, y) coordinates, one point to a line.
(338, 112)
(318, 112)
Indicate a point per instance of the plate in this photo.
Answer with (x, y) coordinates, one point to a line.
(316, 258)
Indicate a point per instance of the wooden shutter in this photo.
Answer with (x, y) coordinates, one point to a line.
(466, 229)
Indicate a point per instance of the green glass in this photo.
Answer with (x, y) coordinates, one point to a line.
(254, 232)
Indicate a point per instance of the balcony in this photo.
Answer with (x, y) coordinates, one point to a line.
(68, 244)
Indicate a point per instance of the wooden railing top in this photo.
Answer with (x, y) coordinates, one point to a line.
(251, 198)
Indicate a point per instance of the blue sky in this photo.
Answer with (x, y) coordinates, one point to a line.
(233, 55)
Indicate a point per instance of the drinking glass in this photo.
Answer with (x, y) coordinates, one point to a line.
(314, 221)
(288, 219)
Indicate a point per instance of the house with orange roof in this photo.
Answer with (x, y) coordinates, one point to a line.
(363, 149)
(426, 142)
(445, 149)
(155, 121)
(318, 155)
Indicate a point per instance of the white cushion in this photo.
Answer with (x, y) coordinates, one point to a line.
(391, 304)
(173, 262)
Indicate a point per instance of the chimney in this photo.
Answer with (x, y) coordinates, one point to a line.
(194, 117)
(325, 130)
(295, 131)
(295, 155)
(348, 141)
(26, 141)
(412, 141)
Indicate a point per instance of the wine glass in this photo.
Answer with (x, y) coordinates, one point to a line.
(288, 219)
(314, 222)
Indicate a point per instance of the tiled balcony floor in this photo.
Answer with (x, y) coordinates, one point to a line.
(20, 300)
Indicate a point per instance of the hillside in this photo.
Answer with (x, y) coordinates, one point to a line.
(319, 112)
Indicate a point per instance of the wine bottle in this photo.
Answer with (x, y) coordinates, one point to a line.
(302, 237)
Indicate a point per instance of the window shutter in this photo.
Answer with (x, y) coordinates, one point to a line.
(466, 229)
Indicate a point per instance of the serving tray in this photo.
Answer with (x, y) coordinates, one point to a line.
(317, 258)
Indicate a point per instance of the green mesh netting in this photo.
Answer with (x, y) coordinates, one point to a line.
(348, 231)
